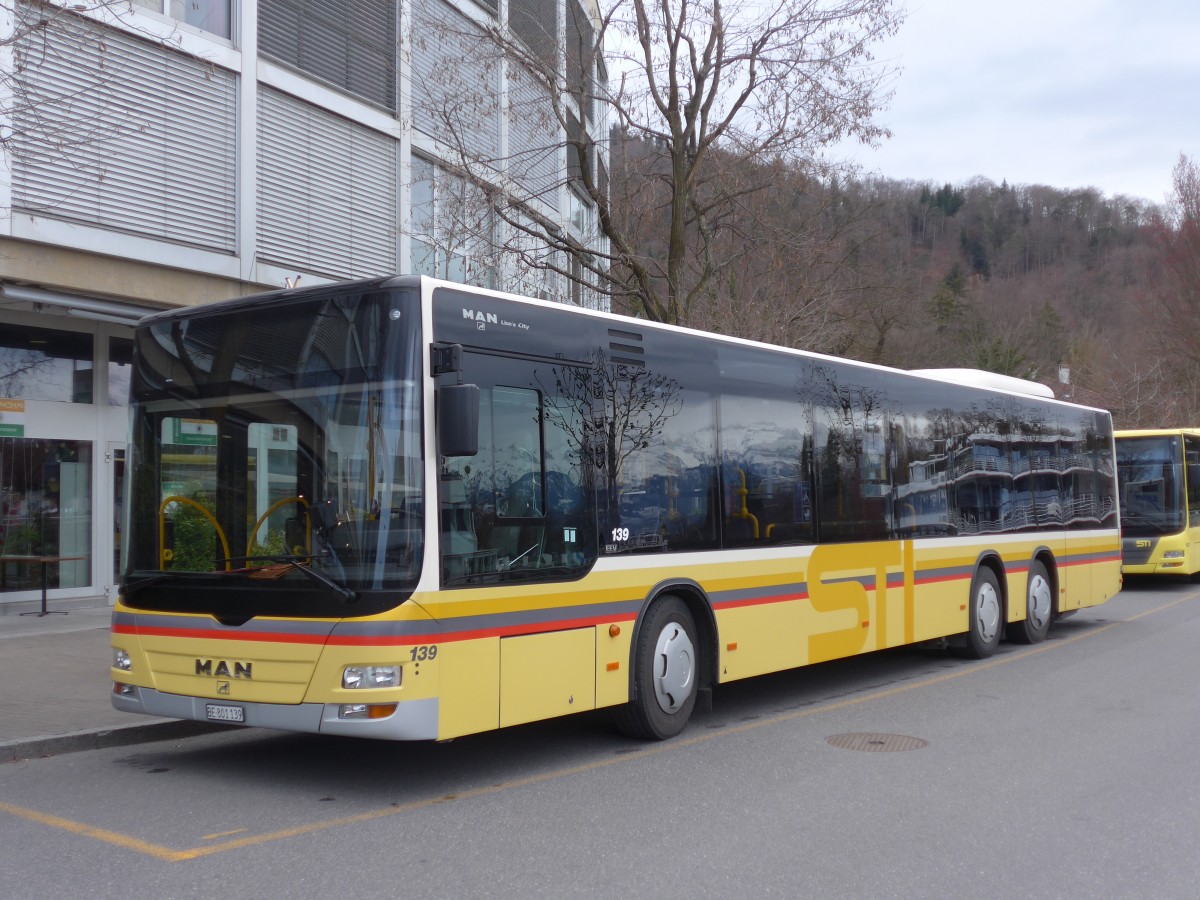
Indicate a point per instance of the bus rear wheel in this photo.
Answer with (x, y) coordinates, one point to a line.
(1039, 608)
(665, 673)
(986, 610)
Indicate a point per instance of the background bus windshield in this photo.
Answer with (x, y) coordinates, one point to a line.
(1150, 474)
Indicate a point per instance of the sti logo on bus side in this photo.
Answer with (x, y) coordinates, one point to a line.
(223, 670)
(482, 317)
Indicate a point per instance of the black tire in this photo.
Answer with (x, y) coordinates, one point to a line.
(1039, 608)
(986, 607)
(665, 673)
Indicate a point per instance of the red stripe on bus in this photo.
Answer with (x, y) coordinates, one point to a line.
(919, 579)
(1092, 561)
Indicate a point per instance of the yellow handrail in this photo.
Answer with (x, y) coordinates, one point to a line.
(744, 512)
(164, 554)
(270, 509)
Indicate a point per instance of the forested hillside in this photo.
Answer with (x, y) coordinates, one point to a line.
(1017, 279)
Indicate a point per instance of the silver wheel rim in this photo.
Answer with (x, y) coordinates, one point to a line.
(674, 667)
(1039, 602)
(987, 612)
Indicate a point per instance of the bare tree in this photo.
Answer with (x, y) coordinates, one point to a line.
(31, 117)
(692, 90)
(1178, 234)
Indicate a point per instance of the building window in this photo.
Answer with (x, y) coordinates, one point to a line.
(213, 16)
(45, 510)
(581, 216)
(350, 45)
(41, 364)
(581, 40)
(535, 23)
(452, 228)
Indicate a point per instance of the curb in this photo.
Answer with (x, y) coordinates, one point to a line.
(102, 738)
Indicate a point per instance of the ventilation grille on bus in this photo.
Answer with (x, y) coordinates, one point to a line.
(625, 348)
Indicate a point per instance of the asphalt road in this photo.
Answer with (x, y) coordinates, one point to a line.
(1067, 769)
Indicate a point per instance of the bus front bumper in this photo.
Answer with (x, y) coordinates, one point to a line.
(413, 720)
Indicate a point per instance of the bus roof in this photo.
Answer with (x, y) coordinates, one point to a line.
(973, 377)
(990, 380)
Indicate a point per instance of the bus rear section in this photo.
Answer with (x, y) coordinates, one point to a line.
(1158, 473)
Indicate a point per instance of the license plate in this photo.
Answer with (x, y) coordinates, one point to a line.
(220, 713)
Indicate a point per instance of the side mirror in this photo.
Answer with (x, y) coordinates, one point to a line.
(458, 419)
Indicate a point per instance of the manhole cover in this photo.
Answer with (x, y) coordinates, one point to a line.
(876, 743)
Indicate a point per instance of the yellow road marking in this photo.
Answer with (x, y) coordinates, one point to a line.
(167, 854)
(100, 834)
(221, 834)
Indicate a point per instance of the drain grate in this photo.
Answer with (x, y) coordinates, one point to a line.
(876, 743)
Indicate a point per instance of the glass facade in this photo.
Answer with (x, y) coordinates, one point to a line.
(213, 16)
(45, 511)
(45, 364)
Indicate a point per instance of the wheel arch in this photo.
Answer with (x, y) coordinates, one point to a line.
(1045, 556)
(698, 604)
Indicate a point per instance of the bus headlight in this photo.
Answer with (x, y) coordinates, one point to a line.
(354, 677)
(1172, 554)
(121, 660)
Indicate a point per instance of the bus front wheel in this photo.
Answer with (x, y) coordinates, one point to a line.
(665, 673)
(986, 609)
(1039, 608)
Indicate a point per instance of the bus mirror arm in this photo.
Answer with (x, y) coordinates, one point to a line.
(446, 359)
(457, 404)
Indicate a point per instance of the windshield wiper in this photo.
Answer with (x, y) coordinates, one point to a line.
(130, 588)
(292, 560)
(497, 577)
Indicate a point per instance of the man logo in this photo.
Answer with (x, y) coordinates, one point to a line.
(223, 669)
(481, 317)
(223, 687)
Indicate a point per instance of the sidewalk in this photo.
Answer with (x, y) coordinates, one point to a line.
(54, 686)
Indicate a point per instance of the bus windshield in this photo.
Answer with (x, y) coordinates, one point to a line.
(1150, 474)
(277, 458)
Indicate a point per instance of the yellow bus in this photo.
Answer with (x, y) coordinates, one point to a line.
(1158, 474)
(408, 509)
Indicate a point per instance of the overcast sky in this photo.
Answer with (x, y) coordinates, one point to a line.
(1065, 93)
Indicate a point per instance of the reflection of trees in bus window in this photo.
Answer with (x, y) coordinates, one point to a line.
(650, 441)
(766, 467)
(523, 507)
(850, 420)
